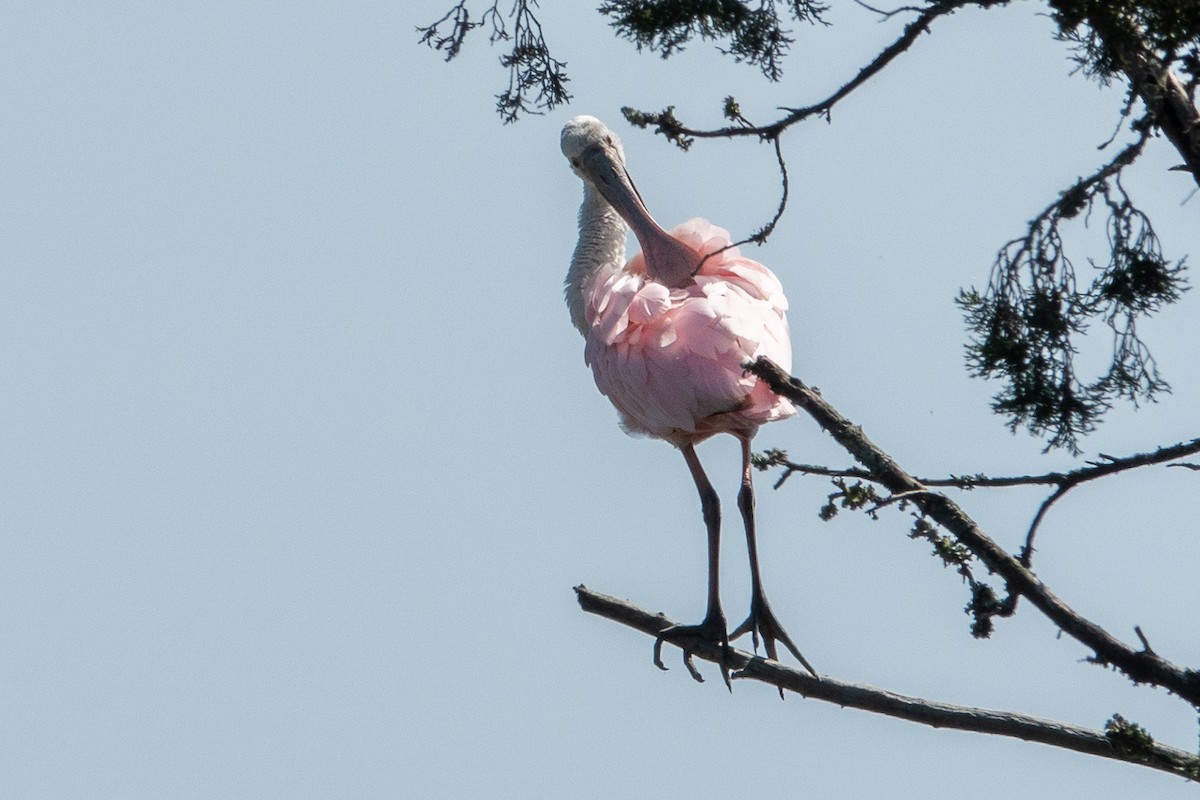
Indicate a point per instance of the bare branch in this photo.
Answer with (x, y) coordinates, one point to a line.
(1108, 465)
(1027, 550)
(885, 14)
(760, 236)
(1138, 665)
(1063, 481)
(1145, 642)
(669, 125)
(1146, 753)
(983, 607)
(1102, 469)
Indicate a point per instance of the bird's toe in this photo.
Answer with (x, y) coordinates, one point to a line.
(711, 631)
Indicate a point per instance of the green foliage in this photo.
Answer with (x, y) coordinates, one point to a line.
(1024, 323)
(952, 552)
(753, 30)
(983, 607)
(771, 457)
(1129, 738)
(851, 496)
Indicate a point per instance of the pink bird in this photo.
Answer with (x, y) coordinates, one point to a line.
(667, 335)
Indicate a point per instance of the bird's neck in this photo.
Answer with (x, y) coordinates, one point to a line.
(601, 244)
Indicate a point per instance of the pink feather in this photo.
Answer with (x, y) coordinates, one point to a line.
(671, 360)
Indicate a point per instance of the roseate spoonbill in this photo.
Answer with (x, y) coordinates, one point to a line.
(667, 335)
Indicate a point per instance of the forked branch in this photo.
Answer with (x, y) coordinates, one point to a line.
(1140, 666)
(1114, 743)
(1063, 482)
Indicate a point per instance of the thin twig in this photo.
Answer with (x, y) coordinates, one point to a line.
(901, 497)
(1062, 481)
(1027, 550)
(1145, 642)
(880, 701)
(888, 14)
(760, 236)
(762, 233)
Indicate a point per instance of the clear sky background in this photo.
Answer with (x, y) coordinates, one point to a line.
(300, 460)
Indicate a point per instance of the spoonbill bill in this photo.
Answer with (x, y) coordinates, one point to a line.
(667, 334)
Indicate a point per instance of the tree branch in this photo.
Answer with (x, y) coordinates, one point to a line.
(1062, 481)
(1106, 466)
(1151, 78)
(1101, 469)
(670, 126)
(1025, 324)
(1141, 750)
(1140, 666)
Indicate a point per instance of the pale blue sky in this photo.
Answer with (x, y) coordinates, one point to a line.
(301, 460)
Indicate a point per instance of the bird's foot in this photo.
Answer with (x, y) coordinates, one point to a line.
(762, 623)
(712, 630)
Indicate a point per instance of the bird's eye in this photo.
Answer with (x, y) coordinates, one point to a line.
(575, 162)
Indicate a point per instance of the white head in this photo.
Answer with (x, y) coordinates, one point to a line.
(596, 156)
(585, 134)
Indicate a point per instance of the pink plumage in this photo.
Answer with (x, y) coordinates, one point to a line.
(671, 360)
(668, 334)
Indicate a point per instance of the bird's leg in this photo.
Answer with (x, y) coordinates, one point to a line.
(712, 628)
(761, 621)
